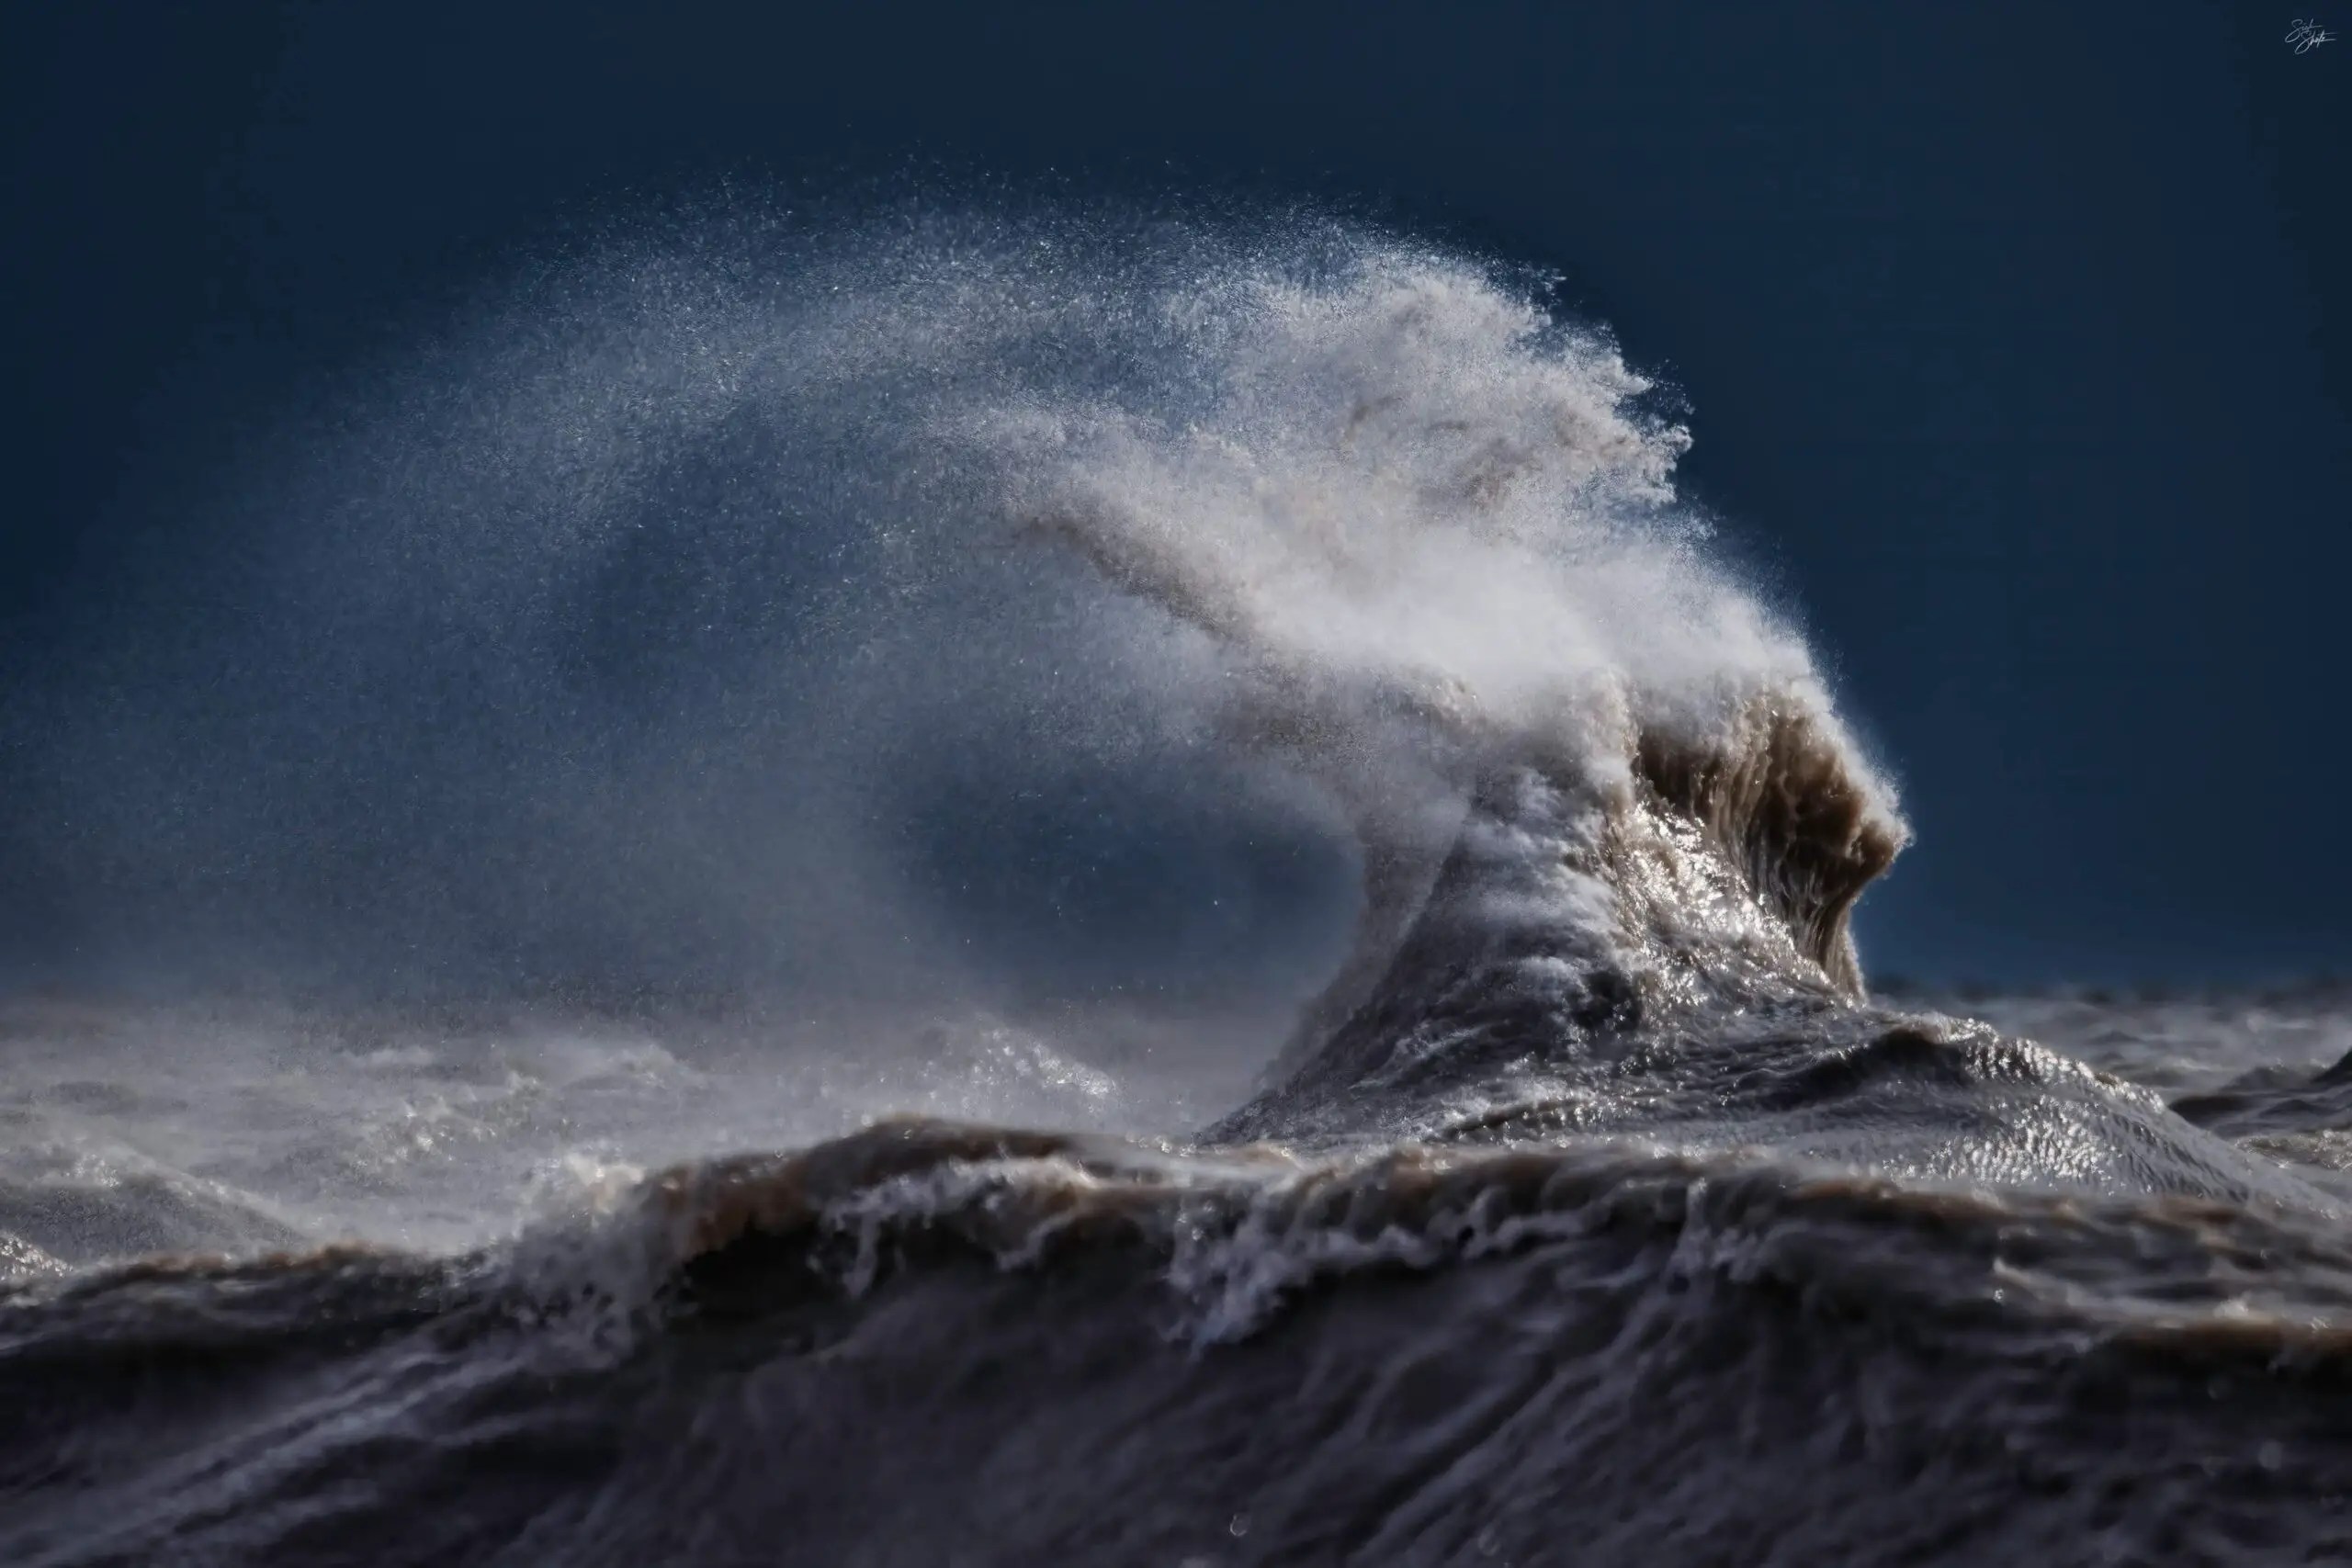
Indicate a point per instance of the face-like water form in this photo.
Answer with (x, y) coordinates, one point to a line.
(692, 627)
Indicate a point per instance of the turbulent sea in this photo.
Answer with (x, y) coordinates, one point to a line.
(1582, 1204)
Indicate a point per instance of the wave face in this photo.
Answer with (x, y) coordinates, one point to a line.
(1590, 1211)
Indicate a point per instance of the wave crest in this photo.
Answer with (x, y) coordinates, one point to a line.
(1433, 533)
(1785, 801)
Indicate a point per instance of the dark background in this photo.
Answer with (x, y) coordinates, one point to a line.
(2018, 338)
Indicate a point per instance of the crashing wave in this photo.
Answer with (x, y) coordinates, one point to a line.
(1436, 541)
(1592, 1213)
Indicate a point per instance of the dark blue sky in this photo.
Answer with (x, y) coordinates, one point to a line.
(2018, 338)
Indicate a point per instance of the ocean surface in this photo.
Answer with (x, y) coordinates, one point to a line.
(1583, 1204)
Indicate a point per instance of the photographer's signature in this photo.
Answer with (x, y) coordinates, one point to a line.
(2307, 36)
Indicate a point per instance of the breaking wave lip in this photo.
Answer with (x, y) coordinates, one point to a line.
(1785, 805)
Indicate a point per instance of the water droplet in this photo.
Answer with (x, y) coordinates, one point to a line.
(1240, 1525)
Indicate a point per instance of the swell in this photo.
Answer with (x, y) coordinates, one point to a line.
(1234, 1235)
(1110, 1352)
